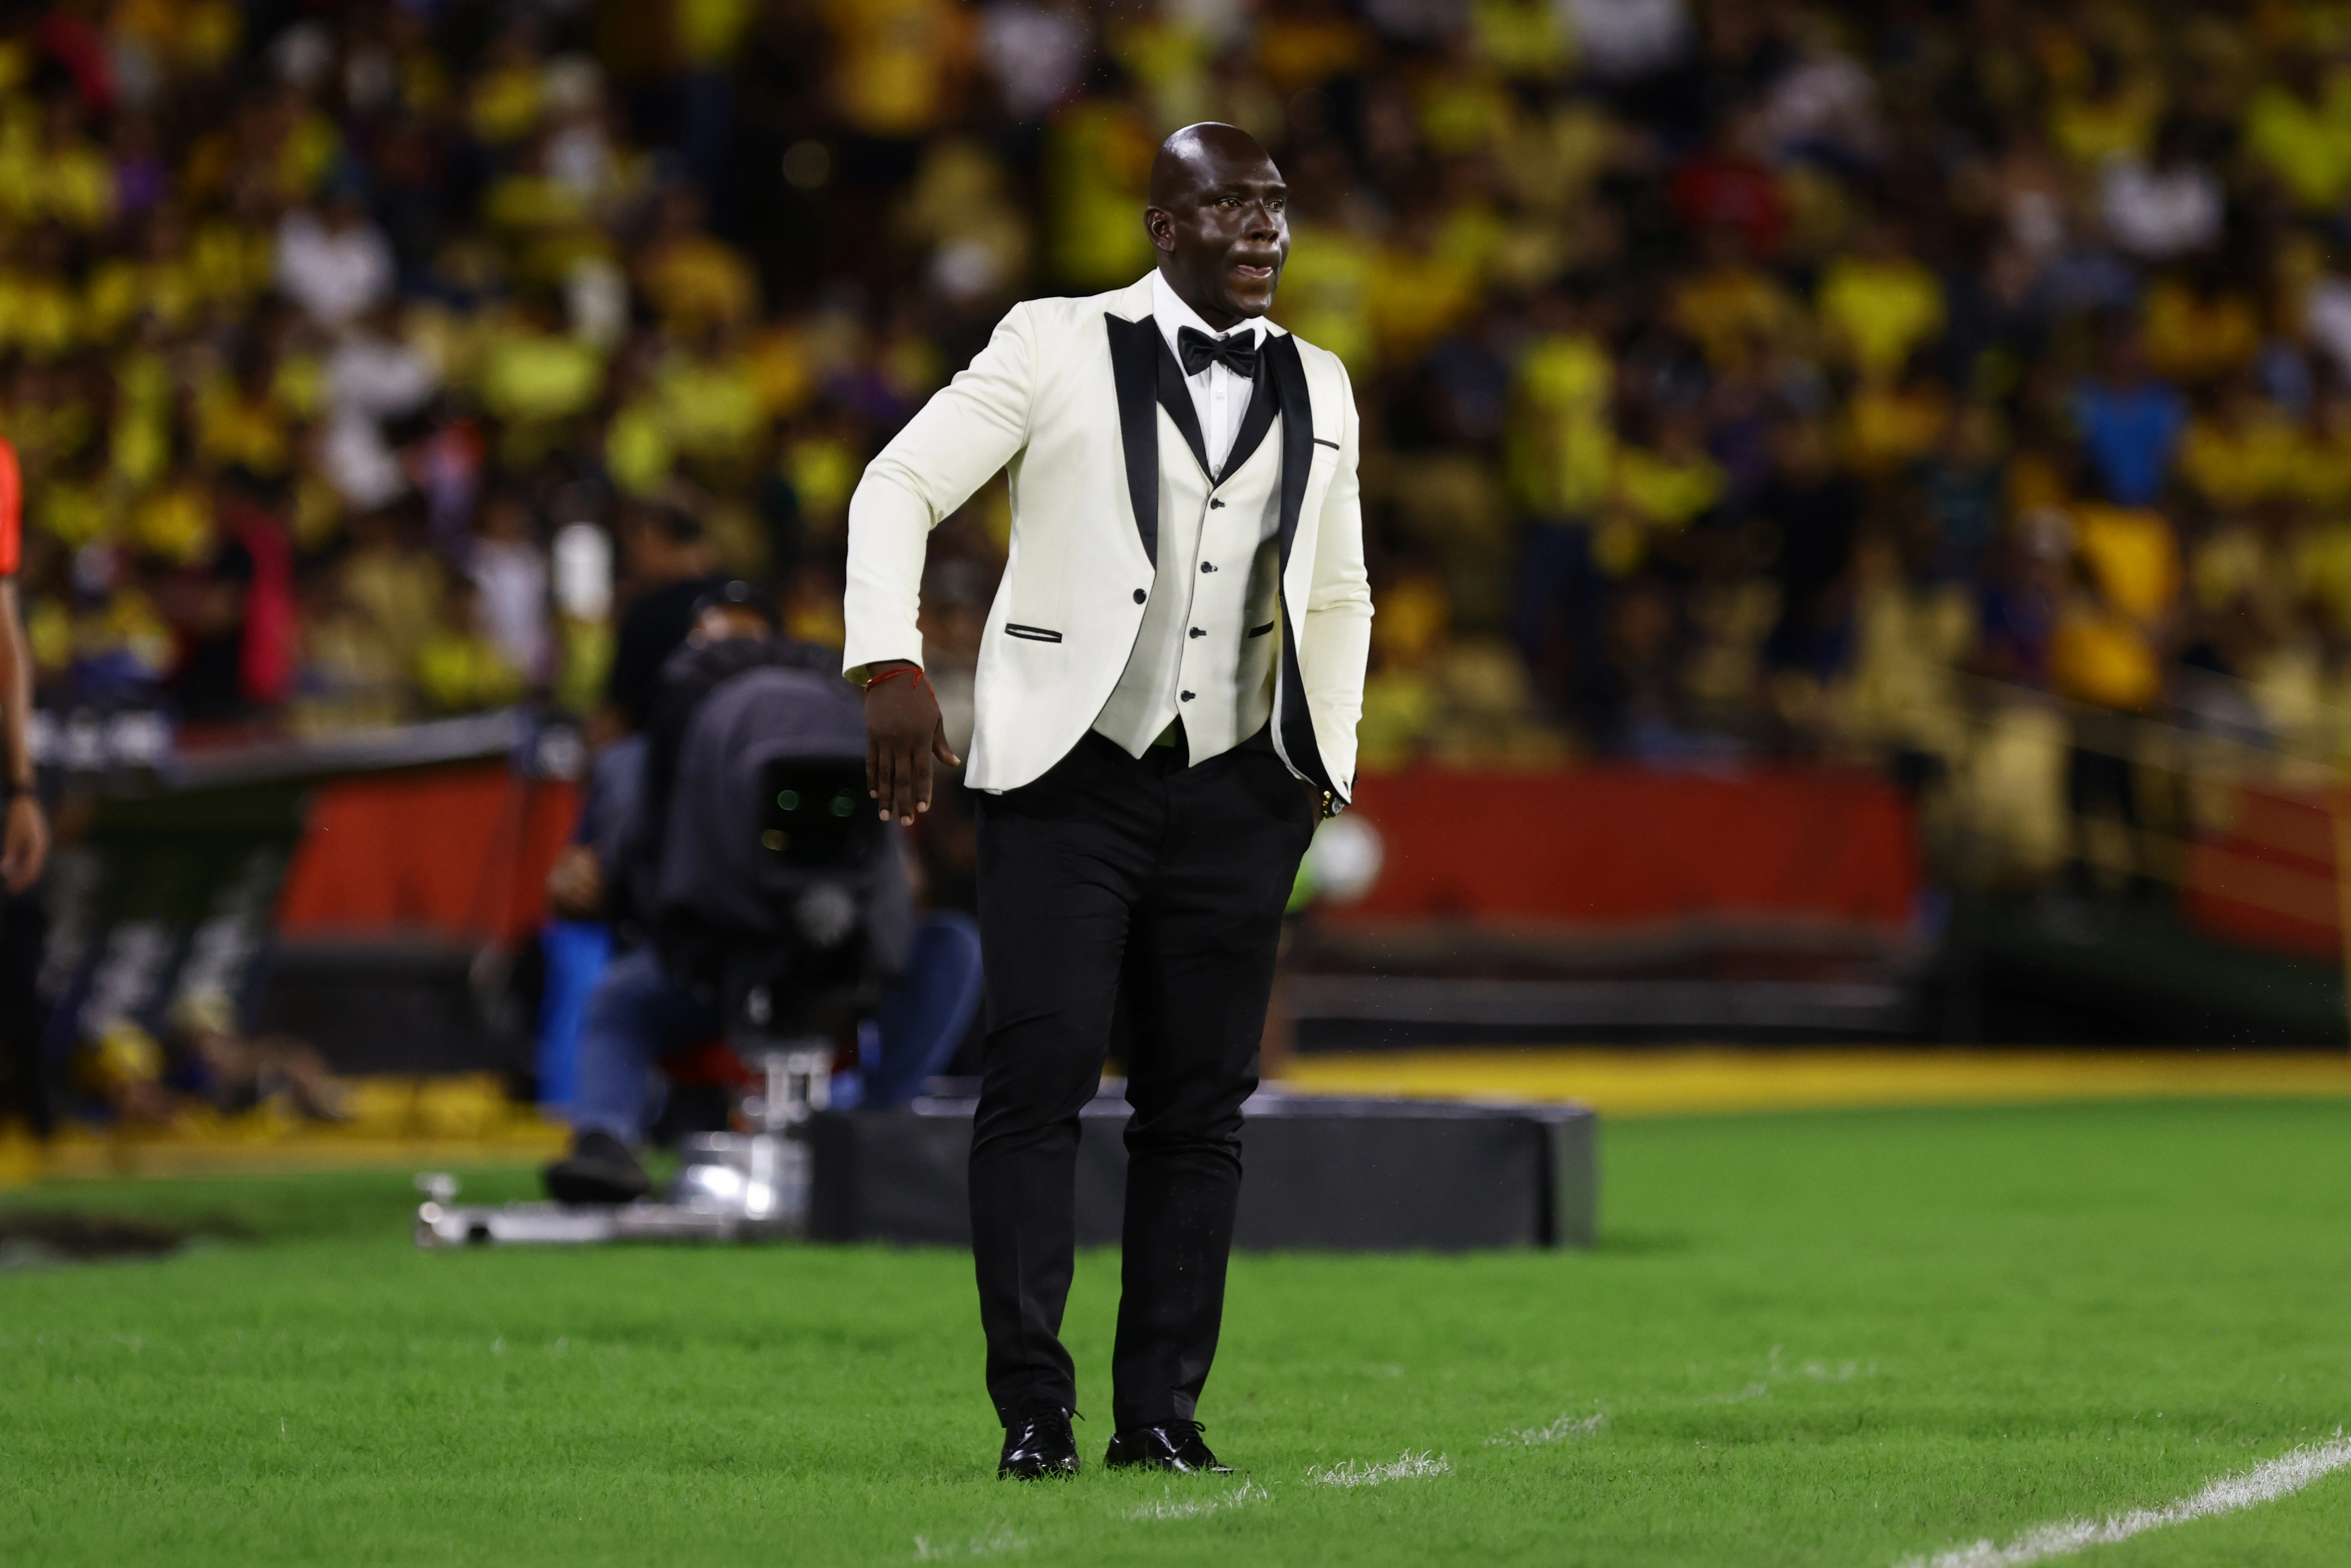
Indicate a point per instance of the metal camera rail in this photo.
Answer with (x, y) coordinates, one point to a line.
(733, 1186)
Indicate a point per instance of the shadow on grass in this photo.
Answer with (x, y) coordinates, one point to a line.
(76, 1235)
(1614, 1243)
(246, 1209)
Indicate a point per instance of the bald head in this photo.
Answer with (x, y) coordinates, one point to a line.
(1201, 154)
(1218, 217)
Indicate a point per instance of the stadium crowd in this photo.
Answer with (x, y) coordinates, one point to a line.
(1737, 377)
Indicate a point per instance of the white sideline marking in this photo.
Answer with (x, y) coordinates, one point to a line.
(1169, 1507)
(2265, 1482)
(1752, 1391)
(1843, 1371)
(1536, 1436)
(1002, 1540)
(1409, 1465)
(1818, 1371)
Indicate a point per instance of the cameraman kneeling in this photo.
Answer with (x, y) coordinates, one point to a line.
(642, 1012)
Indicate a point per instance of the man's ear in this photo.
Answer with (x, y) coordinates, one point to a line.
(1160, 225)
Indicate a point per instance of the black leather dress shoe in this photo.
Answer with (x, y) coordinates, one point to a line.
(600, 1169)
(1039, 1443)
(1175, 1447)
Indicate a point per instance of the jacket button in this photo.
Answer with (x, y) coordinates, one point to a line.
(1198, 632)
(1139, 595)
(1187, 696)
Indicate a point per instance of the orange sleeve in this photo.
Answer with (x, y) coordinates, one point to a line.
(12, 511)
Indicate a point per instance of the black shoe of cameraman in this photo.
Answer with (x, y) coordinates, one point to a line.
(600, 1169)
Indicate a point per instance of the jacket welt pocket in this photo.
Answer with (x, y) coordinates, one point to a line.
(1260, 630)
(1030, 633)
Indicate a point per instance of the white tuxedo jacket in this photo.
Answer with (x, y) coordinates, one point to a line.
(1070, 395)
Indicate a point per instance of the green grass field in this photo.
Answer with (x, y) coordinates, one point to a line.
(1846, 1340)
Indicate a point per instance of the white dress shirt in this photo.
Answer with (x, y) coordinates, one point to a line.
(1220, 398)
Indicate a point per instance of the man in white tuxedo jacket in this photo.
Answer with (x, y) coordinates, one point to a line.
(1167, 694)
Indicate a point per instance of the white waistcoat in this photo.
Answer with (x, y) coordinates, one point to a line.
(1205, 654)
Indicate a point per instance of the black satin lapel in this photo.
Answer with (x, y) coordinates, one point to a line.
(1176, 399)
(1297, 719)
(1297, 432)
(1255, 423)
(1289, 374)
(1132, 357)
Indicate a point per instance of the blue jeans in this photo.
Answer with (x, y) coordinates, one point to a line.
(923, 1014)
(638, 1015)
(576, 952)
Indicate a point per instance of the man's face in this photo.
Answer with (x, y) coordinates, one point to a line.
(1223, 237)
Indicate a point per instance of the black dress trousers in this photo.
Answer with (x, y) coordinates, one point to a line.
(1108, 876)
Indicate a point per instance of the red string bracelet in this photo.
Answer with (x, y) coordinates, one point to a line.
(913, 669)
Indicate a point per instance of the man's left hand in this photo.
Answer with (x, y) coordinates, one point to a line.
(24, 848)
(575, 883)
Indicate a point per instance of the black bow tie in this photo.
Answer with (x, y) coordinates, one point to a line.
(1236, 353)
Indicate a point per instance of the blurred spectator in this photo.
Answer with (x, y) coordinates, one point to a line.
(2166, 208)
(670, 567)
(1878, 305)
(2298, 129)
(1960, 490)
(373, 376)
(1624, 40)
(336, 265)
(1036, 52)
(509, 572)
(2023, 585)
(1814, 512)
(2130, 423)
(1728, 186)
(1824, 104)
(2106, 655)
(204, 1066)
(1712, 358)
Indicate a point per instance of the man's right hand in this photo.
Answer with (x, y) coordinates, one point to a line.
(904, 735)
